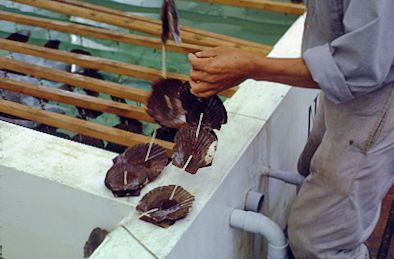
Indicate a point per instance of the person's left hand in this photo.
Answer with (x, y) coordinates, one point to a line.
(216, 69)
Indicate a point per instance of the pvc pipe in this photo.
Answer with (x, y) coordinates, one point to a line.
(286, 176)
(254, 201)
(260, 224)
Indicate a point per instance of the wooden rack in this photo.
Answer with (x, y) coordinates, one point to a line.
(84, 82)
(79, 100)
(263, 5)
(103, 64)
(194, 40)
(100, 33)
(83, 127)
(146, 25)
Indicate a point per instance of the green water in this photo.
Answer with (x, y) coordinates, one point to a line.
(258, 26)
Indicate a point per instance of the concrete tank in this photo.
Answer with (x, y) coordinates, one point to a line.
(52, 191)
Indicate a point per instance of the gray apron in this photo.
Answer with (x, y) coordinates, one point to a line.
(348, 161)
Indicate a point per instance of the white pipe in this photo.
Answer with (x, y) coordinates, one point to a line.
(286, 176)
(260, 224)
(254, 201)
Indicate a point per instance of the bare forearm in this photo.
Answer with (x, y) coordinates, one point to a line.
(291, 71)
(214, 70)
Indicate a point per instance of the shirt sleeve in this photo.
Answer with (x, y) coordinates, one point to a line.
(359, 61)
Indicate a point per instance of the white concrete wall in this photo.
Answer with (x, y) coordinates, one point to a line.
(52, 195)
(44, 219)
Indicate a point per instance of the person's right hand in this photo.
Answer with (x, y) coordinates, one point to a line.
(216, 69)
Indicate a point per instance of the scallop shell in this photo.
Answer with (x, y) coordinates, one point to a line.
(88, 113)
(139, 171)
(164, 104)
(164, 210)
(215, 113)
(169, 21)
(167, 134)
(20, 36)
(96, 237)
(52, 44)
(202, 149)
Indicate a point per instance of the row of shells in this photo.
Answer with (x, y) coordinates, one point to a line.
(172, 105)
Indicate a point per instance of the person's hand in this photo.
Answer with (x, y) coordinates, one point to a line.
(216, 69)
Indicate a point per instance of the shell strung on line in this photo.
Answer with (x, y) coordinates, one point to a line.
(202, 149)
(169, 20)
(164, 210)
(138, 171)
(212, 108)
(96, 237)
(164, 104)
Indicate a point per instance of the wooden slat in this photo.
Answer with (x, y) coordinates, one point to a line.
(96, 32)
(87, 61)
(79, 100)
(126, 22)
(94, 62)
(78, 126)
(85, 82)
(263, 5)
(184, 29)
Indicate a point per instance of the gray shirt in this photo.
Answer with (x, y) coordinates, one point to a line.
(349, 46)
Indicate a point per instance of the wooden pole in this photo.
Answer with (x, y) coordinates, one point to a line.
(85, 82)
(111, 66)
(83, 127)
(79, 100)
(96, 32)
(73, 8)
(272, 6)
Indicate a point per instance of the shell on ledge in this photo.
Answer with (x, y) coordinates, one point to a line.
(158, 208)
(130, 172)
(202, 149)
(164, 104)
(96, 237)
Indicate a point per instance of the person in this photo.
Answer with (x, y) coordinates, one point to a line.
(348, 159)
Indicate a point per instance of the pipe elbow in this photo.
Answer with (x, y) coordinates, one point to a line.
(264, 226)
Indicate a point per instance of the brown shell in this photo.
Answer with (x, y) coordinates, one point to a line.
(215, 113)
(186, 144)
(167, 134)
(21, 36)
(164, 104)
(96, 237)
(169, 20)
(168, 211)
(88, 113)
(139, 171)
